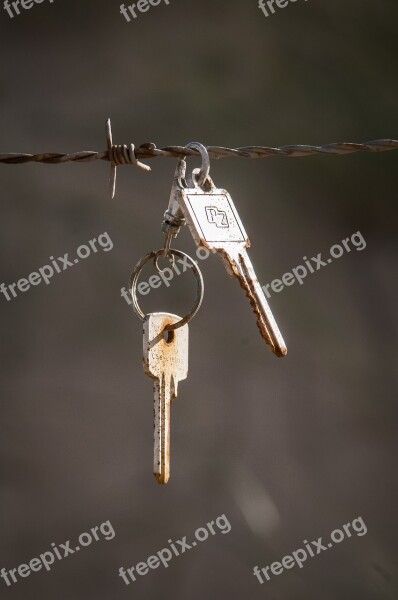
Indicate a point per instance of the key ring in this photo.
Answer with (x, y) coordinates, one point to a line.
(154, 256)
(205, 168)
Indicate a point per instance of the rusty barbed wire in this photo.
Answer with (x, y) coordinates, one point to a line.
(118, 155)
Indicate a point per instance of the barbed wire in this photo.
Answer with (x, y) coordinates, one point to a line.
(118, 155)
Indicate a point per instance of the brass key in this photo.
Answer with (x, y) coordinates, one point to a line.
(214, 223)
(166, 361)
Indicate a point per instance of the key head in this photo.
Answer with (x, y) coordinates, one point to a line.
(165, 352)
(212, 218)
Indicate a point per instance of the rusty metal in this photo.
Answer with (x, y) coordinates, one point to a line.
(120, 155)
(215, 224)
(187, 260)
(205, 168)
(166, 361)
(129, 154)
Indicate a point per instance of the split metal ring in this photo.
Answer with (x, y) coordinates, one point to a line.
(154, 256)
(166, 253)
(205, 168)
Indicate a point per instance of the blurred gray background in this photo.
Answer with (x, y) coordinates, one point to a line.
(289, 449)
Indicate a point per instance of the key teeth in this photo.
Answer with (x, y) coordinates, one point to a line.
(233, 271)
(260, 323)
(279, 352)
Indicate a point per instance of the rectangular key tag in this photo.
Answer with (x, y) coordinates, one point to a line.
(212, 217)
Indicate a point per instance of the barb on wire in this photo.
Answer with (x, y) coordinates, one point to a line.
(124, 154)
(120, 155)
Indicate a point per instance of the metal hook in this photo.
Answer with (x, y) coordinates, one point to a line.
(120, 155)
(205, 168)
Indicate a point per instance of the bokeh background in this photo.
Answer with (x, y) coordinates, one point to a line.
(289, 449)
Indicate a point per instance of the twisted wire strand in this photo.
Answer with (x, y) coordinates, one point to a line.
(147, 151)
(123, 154)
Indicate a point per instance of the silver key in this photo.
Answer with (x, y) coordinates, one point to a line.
(166, 361)
(214, 223)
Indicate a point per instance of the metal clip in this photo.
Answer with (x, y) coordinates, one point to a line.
(173, 217)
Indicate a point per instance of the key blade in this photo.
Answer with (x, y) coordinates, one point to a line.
(240, 263)
(161, 446)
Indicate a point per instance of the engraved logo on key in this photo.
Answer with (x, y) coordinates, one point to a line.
(217, 216)
(213, 217)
